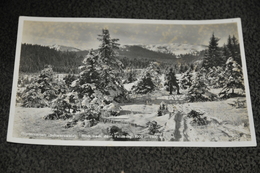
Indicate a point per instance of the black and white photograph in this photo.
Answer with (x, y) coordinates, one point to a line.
(128, 82)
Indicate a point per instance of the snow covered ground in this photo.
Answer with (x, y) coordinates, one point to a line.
(226, 123)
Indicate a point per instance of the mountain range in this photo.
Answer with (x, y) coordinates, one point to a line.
(64, 48)
(175, 48)
(64, 58)
(151, 51)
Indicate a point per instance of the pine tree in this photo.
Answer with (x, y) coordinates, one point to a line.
(98, 87)
(41, 91)
(145, 85)
(199, 91)
(192, 67)
(69, 79)
(130, 75)
(215, 77)
(206, 61)
(236, 47)
(149, 79)
(186, 80)
(225, 52)
(212, 56)
(234, 50)
(233, 79)
(107, 51)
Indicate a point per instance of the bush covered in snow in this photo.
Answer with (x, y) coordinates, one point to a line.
(163, 109)
(41, 91)
(186, 80)
(149, 79)
(199, 91)
(130, 75)
(197, 118)
(153, 127)
(233, 79)
(215, 77)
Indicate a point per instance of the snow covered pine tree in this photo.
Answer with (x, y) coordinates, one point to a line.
(41, 91)
(186, 80)
(99, 87)
(233, 79)
(199, 91)
(149, 79)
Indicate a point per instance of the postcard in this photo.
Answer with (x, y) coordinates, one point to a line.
(130, 82)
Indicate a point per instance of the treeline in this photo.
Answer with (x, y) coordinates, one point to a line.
(35, 57)
(135, 63)
(216, 55)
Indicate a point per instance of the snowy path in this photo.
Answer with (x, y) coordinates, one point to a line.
(177, 133)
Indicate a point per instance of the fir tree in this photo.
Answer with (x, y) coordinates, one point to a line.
(215, 77)
(199, 91)
(206, 61)
(234, 50)
(212, 56)
(145, 85)
(186, 80)
(69, 79)
(225, 52)
(98, 86)
(233, 79)
(41, 91)
(237, 56)
(107, 51)
(149, 79)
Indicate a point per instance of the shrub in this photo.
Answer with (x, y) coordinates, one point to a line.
(197, 118)
(153, 127)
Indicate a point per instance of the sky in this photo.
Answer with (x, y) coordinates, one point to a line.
(83, 35)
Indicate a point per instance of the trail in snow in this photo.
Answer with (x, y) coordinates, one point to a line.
(177, 133)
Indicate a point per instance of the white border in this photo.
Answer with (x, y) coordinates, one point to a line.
(10, 138)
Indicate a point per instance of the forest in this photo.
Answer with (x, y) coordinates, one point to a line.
(121, 98)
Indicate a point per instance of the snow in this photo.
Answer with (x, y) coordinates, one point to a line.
(129, 86)
(175, 48)
(225, 123)
(64, 48)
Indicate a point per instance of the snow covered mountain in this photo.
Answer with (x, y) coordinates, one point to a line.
(175, 48)
(64, 48)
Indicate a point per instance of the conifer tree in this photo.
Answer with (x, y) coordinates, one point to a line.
(206, 61)
(149, 79)
(199, 91)
(145, 85)
(186, 80)
(225, 53)
(212, 56)
(215, 77)
(107, 51)
(98, 87)
(233, 49)
(41, 91)
(233, 79)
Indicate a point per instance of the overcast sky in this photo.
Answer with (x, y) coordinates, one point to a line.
(84, 35)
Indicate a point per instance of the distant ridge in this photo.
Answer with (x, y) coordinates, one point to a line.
(64, 48)
(175, 48)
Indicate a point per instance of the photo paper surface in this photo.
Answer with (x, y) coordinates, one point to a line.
(128, 82)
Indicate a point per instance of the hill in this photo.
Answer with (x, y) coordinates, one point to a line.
(34, 57)
(66, 59)
(156, 54)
